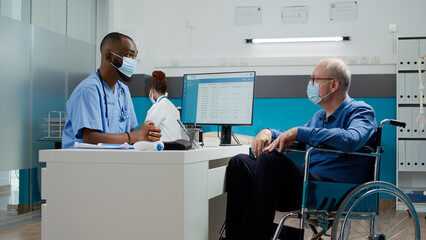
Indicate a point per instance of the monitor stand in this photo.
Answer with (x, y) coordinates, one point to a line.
(226, 135)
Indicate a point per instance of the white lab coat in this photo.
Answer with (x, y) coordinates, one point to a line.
(164, 114)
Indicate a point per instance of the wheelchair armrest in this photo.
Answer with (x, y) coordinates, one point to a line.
(363, 149)
(298, 146)
(366, 149)
(302, 146)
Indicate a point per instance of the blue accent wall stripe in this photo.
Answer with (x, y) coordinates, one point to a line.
(285, 113)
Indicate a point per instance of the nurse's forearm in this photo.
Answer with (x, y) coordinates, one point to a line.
(95, 137)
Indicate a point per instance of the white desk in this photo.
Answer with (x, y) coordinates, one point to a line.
(127, 194)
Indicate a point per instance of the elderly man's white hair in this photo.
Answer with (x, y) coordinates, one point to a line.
(338, 69)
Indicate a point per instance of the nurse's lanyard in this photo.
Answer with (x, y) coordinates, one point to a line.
(124, 114)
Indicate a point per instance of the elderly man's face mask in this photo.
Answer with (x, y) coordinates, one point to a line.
(313, 91)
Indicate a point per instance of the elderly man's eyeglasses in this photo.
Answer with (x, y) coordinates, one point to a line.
(313, 79)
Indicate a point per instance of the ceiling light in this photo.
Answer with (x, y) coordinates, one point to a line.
(295, 40)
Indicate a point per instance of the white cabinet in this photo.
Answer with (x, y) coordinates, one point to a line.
(127, 194)
(411, 142)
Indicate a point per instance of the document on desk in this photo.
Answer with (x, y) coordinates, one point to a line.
(102, 146)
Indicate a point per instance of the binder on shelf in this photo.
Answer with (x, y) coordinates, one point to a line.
(422, 46)
(409, 120)
(401, 155)
(404, 113)
(409, 88)
(422, 134)
(408, 155)
(401, 88)
(416, 155)
(403, 48)
(423, 155)
(415, 126)
(415, 87)
(414, 82)
(408, 50)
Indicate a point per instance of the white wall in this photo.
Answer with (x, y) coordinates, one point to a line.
(217, 44)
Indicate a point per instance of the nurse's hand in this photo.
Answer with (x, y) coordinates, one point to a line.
(148, 132)
(262, 139)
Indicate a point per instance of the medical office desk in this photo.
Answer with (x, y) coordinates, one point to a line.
(128, 194)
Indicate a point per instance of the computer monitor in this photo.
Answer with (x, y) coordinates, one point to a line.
(224, 99)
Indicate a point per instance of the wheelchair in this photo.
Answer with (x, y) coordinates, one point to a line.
(375, 210)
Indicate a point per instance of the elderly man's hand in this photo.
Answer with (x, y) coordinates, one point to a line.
(262, 140)
(283, 141)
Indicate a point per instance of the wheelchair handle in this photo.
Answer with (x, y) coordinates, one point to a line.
(397, 123)
(392, 122)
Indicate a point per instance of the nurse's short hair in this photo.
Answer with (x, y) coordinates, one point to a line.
(113, 38)
(338, 69)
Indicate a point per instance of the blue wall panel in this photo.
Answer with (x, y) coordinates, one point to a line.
(285, 113)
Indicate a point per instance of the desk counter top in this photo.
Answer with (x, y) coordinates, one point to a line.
(131, 156)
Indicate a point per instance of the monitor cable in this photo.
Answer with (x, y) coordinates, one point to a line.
(235, 138)
(232, 134)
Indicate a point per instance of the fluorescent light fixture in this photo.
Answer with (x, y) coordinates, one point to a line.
(295, 40)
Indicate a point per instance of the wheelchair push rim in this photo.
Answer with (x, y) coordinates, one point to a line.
(396, 221)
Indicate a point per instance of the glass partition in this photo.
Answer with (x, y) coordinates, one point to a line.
(50, 15)
(50, 46)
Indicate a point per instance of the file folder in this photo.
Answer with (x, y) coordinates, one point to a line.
(408, 53)
(423, 155)
(408, 155)
(401, 155)
(416, 155)
(404, 113)
(414, 113)
(401, 97)
(409, 88)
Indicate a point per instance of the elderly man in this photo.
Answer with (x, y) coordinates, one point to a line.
(100, 109)
(258, 186)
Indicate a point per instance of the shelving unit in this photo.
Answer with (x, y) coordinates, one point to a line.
(54, 125)
(411, 141)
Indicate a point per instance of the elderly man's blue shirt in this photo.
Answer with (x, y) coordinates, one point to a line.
(351, 126)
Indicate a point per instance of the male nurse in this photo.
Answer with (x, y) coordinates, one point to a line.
(100, 109)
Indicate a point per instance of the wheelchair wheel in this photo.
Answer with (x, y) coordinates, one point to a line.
(362, 216)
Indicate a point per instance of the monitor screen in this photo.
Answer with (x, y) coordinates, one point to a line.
(218, 98)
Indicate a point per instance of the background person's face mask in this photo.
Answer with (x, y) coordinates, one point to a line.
(128, 67)
(151, 98)
(313, 92)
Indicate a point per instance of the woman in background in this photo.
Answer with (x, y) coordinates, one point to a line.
(163, 112)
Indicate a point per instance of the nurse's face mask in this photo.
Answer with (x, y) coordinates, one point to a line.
(151, 97)
(128, 67)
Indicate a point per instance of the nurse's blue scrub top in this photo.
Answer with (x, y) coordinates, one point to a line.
(86, 108)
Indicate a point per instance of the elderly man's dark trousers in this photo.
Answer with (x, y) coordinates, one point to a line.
(256, 189)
